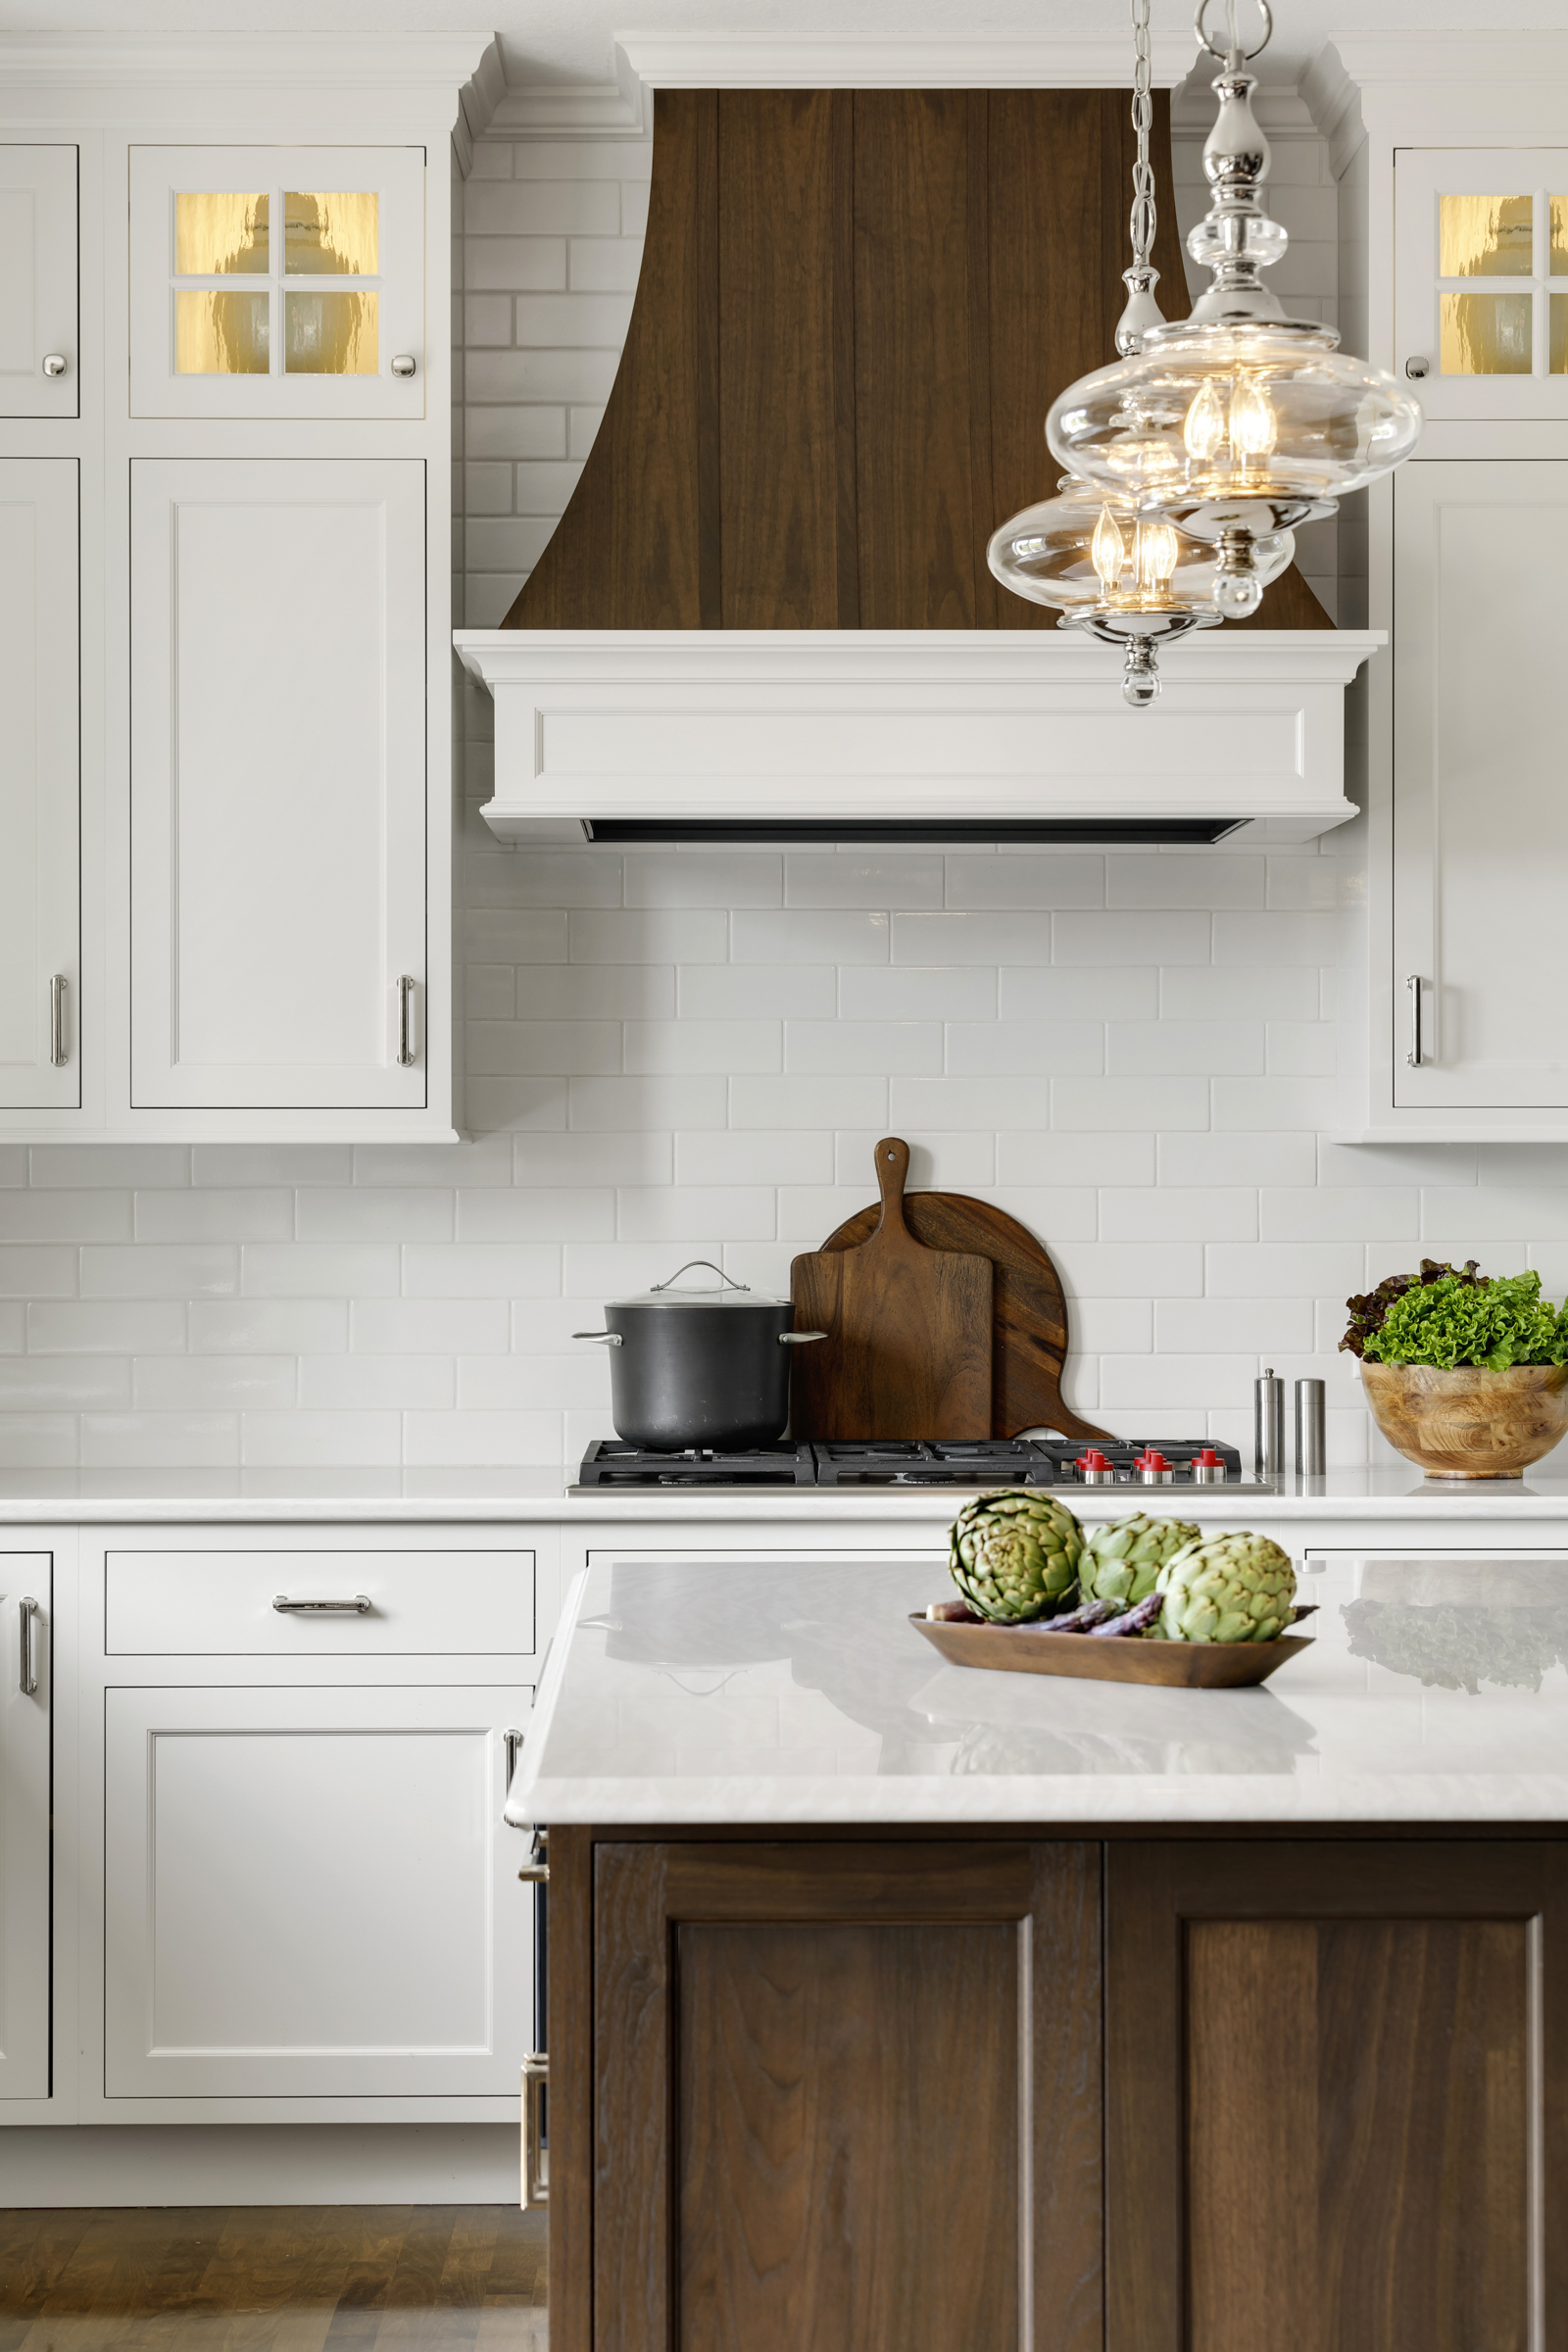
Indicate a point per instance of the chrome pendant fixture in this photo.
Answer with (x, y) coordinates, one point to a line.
(1238, 423)
(1108, 559)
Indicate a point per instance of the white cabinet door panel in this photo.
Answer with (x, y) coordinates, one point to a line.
(39, 783)
(24, 1828)
(311, 1893)
(38, 281)
(277, 281)
(278, 782)
(1480, 810)
(217, 1603)
(1481, 278)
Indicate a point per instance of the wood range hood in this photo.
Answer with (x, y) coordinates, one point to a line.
(766, 614)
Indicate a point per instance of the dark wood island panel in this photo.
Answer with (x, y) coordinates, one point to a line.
(954, 2093)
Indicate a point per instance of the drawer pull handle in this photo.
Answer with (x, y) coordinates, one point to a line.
(59, 1050)
(355, 1607)
(514, 1741)
(535, 2154)
(407, 1053)
(27, 1667)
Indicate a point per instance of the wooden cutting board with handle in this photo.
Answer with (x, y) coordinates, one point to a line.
(1029, 1311)
(909, 1347)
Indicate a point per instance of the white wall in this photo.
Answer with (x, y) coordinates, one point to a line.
(678, 1054)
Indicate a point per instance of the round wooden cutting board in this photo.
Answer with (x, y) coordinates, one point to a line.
(1028, 1312)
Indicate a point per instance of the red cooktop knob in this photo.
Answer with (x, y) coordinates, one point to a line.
(1094, 1459)
(1208, 1457)
(1151, 1460)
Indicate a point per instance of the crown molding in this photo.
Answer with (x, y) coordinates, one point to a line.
(584, 110)
(825, 61)
(391, 61)
(477, 100)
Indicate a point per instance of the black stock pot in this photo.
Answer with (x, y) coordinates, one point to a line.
(700, 1367)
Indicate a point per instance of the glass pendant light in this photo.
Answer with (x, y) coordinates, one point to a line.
(1238, 423)
(1126, 576)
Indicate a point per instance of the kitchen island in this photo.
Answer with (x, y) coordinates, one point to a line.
(896, 2005)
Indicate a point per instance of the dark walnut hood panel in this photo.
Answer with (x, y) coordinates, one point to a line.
(855, 310)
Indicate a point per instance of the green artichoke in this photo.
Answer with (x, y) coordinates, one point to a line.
(1122, 1558)
(1014, 1554)
(1236, 1587)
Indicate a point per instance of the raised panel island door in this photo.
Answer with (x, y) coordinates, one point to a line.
(842, 2095)
(311, 1893)
(39, 348)
(25, 1626)
(1337, 2096)
(278, 784)
(1479, 811)
(40, 732)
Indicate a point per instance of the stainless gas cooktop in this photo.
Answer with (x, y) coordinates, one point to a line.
(918, 1462)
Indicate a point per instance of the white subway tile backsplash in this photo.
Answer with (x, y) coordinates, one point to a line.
(161, 1440)
(1323, 1213)
(95, 1167)
(161, 1383)
(957, 1161)
(106, 1327)
(261, 1325)
(318, 1269)
(797, 1099)
(1179, 1213)
(1030, 1049)
(896, 1048)
(37, 1384)
(1154, 1101)
(1220, 878)
(526, 1049)
(975, 937)
(334, 1384)
(473, 1436)
(651, 935)
(1464, 1221)
(536, 1213)
(699, 1212)
(641, 1156)
(786, 1155)
(1196, 1048)
(1202, 993)
(809, 936)
(1097, 1160)
(708, 992)
(895, 992)
(855, 878)
(1231, 1159)
(1285, 1269)
(705, 878)
(198, 1270)
(1137, 939)
(668, 1100)
(481, 1270)
(67, 1217)
(1131, 1269)
(536, 1383)
(430, 1326)
(353, 1440)
(588, 992)
(537, 207)
(715, 1045)
(36, 1273)
(1280, 1103)
(1055, 1212)
(1083, 994)
(485, 1162)
(1229, 1326)
(259, 1166)
(1274, 938)
(390, 1213)
(951, 1102)
(1166, 1379)
(1016, 881)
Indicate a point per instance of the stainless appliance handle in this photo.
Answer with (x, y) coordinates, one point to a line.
(535, 2156)
(514, 1741)
(407, 1056)
(59, 1050)
(355, 1607)
(28, 1656)
(536, 1870)
(609, 1338)
(1413, 984)
(798, 1339)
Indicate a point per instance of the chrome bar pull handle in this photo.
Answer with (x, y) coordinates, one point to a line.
(535, 2155)
(357, 1607)
(537, 1867)
(406, 1046)
(514, 1741)
(27, 1666)
(59, 1050)
(1413, 984)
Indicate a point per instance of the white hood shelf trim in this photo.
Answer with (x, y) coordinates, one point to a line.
(898, 730)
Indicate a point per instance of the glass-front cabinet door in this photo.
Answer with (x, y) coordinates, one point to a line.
(276, 282)
(1481, 280)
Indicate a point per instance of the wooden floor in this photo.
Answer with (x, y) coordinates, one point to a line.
(272, 2279)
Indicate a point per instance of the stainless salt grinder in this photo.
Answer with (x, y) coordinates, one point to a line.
(1268, 1425)
(1310, 1442)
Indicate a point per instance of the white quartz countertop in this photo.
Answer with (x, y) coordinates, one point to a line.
(531, 1494)
(702, 1692)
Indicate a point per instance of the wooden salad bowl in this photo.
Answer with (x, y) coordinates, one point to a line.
(1469, 1422)
(1113, 1659)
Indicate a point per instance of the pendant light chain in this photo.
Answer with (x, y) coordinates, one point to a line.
(1143, 214)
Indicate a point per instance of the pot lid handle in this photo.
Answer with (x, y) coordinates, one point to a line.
(711, 1268)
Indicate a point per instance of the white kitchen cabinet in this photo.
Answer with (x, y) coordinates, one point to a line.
(26, 1618)
(1479, 815)
(279, 810)
(39, 784)
(1481, 280)
(39, 344)
(277, 281)
(310, 1892)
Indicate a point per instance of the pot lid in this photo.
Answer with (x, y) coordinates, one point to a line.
(674, 1293)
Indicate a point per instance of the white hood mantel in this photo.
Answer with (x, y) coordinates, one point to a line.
(628, 735)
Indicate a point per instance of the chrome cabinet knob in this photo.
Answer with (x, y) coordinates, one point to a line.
(1417, 367)
(403, 363)
(54, 363)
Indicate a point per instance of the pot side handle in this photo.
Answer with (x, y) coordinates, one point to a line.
(798, 1339)
(609, 1338)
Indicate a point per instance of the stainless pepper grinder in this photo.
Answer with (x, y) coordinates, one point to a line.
(1268, 1425)
(1310, 1428)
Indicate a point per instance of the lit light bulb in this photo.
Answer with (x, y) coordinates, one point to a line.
(1107, 551)
(1255, 427)
(1157, 552)
(1205, 429)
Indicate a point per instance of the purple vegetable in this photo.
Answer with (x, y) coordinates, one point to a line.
(1136, 1620)
(1075, 1621)
(951, 1613)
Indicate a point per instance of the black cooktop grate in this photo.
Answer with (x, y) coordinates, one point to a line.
(843, 1462)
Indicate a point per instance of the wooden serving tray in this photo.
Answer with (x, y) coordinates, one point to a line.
(1113, 1658)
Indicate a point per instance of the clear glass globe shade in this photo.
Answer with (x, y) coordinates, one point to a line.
(1227, 428)
(1047, 553)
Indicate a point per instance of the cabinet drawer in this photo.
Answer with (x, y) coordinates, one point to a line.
(223, 1603)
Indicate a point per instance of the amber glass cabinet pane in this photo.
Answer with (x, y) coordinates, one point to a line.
(1487, 236)
(1558, 262)
(1486, 334)
(217, 234)
(1557, 340)
(330, 236)
(219, 334)
(329, 334)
